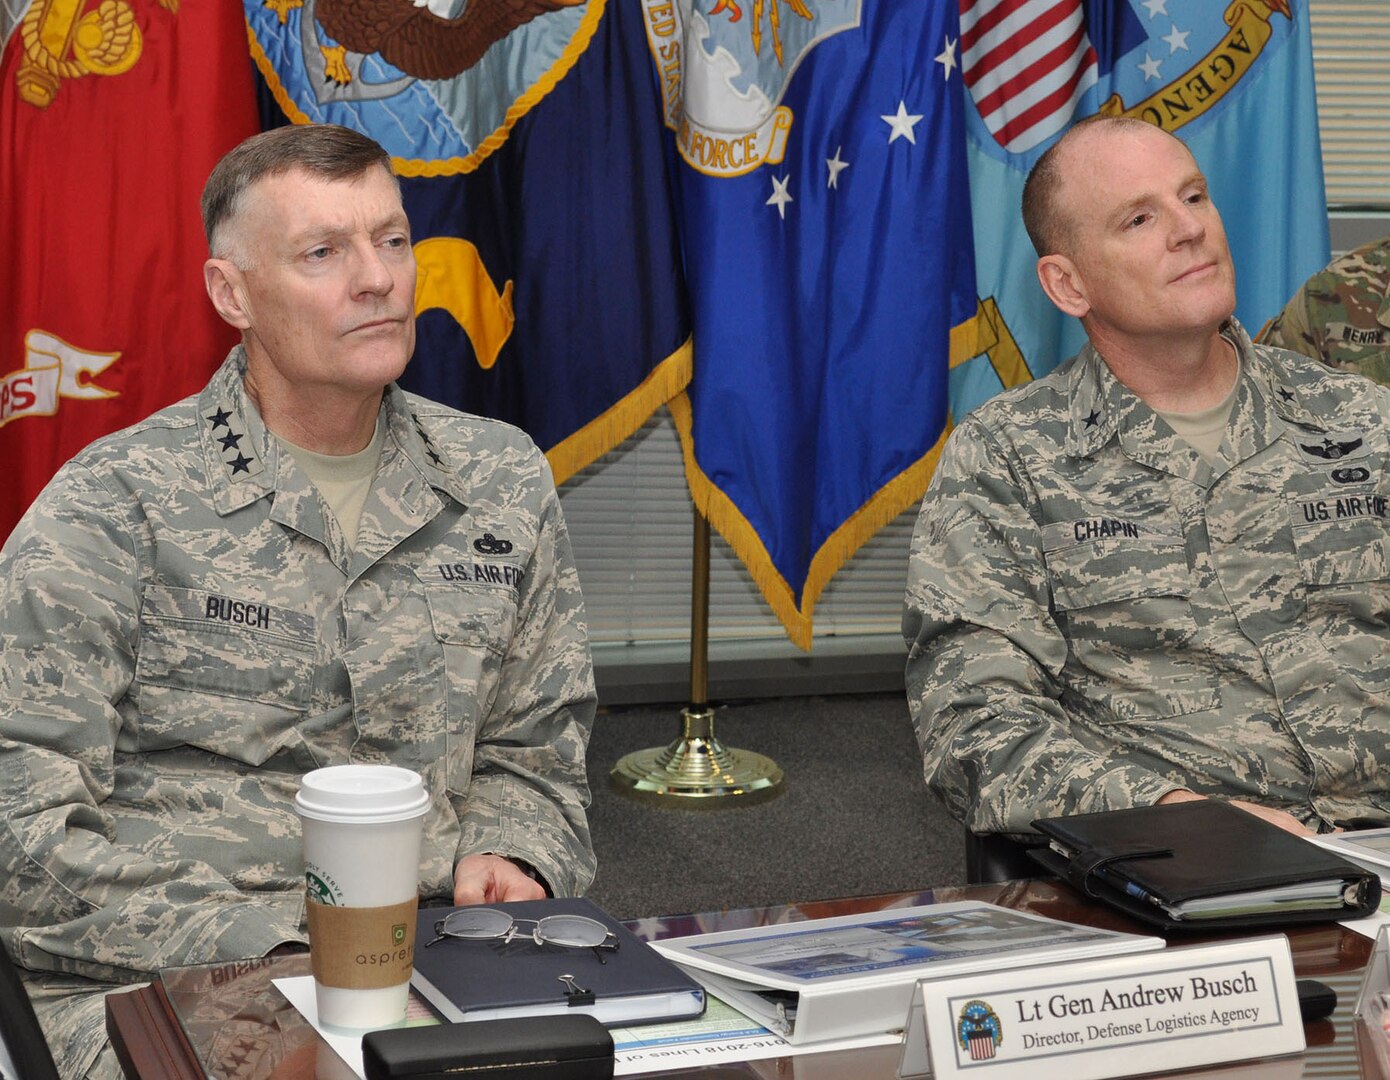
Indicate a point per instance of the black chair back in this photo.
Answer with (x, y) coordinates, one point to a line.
(19, 1027)
(990, 857)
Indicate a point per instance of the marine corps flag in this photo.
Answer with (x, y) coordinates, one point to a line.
(111, 116)
(826, 221)
(1233, 79)
(528, 137)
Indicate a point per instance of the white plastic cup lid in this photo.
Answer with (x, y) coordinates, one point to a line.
(361, 794)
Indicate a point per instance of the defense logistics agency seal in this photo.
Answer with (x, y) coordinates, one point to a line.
(978, 1030)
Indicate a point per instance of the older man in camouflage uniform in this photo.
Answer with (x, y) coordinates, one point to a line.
(1341, 315)
(1161, 572)
(302, 566)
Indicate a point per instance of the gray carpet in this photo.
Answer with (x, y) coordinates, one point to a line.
(855, 817)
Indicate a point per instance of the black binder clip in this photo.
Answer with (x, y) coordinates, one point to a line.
(574, 993)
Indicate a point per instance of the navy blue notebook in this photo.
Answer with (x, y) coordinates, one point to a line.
(493, 979)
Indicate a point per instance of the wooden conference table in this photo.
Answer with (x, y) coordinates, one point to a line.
(247, 1031)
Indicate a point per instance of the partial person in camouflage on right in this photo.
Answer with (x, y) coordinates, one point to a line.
(1341, 315)
(1161, 572)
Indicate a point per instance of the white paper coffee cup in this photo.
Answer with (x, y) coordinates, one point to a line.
(362, 828)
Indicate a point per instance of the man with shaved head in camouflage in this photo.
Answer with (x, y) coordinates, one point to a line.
(1341, 315)
(1161, 572)
(302, 566)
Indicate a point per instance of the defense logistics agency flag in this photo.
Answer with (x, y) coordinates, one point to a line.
(1232, 79)
(827, 234)
(111, 116)
(529, 141)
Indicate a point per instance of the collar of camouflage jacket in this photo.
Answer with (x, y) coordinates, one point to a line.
(1267, 402)
(245, 461)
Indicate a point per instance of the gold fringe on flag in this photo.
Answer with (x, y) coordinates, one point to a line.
(604, 432)
(882, 507)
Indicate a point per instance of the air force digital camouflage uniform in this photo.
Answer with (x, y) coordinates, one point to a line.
(1341, 315)
(184, 633)
(1096, 617)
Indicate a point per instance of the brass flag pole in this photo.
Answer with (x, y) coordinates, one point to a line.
(697, 769)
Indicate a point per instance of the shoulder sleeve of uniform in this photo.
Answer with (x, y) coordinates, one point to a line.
(1301, 326)
(528, 791)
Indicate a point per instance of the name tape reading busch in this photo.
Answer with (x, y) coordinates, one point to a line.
(1094, 1019)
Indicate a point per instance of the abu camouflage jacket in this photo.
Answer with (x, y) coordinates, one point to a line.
(184, 633)
(1095, 616)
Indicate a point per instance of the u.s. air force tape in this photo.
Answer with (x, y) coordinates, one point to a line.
(362, 948)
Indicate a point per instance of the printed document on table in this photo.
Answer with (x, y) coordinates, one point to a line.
(1368, 848)
(1365, 847)
(722, 1035)
(853, 975)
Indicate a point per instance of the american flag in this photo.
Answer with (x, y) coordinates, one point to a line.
(1026, 62)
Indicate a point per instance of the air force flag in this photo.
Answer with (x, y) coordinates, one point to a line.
(826, 225)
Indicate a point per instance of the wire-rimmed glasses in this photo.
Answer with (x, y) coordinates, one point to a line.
(492, 924)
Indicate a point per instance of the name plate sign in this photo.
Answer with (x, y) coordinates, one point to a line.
(1090, 1020)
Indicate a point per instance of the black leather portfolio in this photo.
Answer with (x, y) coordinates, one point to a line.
(1204, 865)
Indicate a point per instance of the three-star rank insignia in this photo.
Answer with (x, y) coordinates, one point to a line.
(436, 459)
(240, 461)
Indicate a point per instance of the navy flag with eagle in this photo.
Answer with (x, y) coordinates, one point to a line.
(528, 138)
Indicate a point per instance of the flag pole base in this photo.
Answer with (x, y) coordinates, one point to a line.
(697, 770)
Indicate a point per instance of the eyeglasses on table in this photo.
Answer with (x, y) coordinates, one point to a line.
(491, 924)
